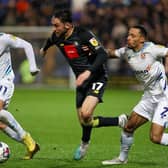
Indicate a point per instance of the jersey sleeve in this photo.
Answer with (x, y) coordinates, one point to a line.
(119, 52)
(96, 48)
(50, 41)
(16, 42)
(159, 50)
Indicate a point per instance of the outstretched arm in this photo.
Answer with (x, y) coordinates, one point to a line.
(16, 42)
(111, 53)
(47, 44)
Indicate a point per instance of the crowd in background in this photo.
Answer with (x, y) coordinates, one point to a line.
(108, 19)
(29, 12)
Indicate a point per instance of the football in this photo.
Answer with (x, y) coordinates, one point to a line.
(4, 152)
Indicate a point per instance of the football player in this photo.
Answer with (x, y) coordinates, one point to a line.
(89, 67)
(8, 123)
(145, 58)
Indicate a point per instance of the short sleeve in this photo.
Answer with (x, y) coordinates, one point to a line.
(119, 52)
(159, 50)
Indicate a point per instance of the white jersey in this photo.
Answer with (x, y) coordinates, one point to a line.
(147, 66)
(8, 41)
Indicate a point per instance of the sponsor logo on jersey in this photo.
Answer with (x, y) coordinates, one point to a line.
(94, 42)
(71, 51)
(144, 71)
(141, 72)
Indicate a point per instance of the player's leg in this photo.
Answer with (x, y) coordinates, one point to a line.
(6, 92)
(142, 113)
(159, 123)
(87, 100)
(135, 120)
(85, 116)
(10, 132)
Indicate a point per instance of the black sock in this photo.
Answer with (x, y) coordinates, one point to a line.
(106, 121)
(86, 133)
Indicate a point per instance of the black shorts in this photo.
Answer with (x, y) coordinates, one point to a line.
(94, 87)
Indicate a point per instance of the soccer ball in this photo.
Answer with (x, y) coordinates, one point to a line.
(4, 152)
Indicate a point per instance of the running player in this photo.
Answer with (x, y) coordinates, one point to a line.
(90, 71)
(8, 123)
(145, 58)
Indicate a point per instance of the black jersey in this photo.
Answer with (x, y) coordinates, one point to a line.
(94, 59)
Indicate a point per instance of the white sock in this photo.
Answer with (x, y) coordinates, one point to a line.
(9, 120)
(164, 140)
(12, 134)
(126, 142)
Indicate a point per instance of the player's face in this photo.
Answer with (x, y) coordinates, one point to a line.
(58, 26)
(134, 39)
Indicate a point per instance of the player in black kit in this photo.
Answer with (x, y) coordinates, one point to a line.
(87, 58)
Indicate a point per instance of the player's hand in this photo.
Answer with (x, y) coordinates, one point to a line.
(86, 49)
(42, 52)
(82, 77)
(33, 73)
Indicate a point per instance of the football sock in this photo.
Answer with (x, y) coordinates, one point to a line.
(12, 134)
(86, 133)
(9, 120)
(164, 140)
(126, 142)
(104, 121)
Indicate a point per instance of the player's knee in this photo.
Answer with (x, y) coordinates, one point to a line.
(155, 138)
(86, 120)
(85, 116)
(128, 128)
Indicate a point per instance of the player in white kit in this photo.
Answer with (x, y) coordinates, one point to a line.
(8, 123)
(145, 58)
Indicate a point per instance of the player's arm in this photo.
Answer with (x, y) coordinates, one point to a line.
(160, 51)
(96, 50)
(16, 42)
(111, 53)
(47, 44)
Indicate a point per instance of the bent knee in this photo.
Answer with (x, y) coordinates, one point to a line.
(86, 120)
(129, 128)
(155, 139)
(86, 116)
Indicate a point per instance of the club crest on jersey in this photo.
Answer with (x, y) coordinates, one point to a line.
(94, 42)
(143, 56)
(76, 43)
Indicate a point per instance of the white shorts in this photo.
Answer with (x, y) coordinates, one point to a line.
(6, 91)
(153, 108)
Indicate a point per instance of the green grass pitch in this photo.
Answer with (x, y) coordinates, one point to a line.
(50, 116)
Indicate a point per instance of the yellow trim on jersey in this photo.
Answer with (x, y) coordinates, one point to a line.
(12, 37)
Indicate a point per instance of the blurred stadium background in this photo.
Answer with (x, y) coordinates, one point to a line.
(108, 19)
(46, 113)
